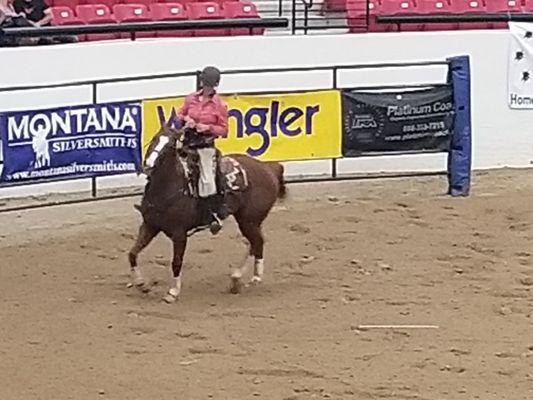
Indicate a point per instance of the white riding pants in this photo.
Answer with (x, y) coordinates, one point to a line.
(207, 184)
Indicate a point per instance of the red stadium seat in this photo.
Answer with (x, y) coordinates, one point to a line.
(503, 6)
(97, 14)
(64, 3)
(108, 3)
(356, 15)
(219, 2)
(169, 12)
(183, 2)
(335, 5)
(144, 2)
(470, 7)
(376, 8)
(237, 9)
(436, 7)
(398, 7)
(206, 11)
(527, 6)
(133, 13)
(64, 16)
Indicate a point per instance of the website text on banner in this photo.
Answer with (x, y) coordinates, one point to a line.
(520, 65)
(70, 142)
(416, 120)
(274, 127)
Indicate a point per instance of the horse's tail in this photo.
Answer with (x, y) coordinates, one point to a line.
(282, 193)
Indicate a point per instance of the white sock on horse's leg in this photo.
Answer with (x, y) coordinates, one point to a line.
(239, 271)
(259, 268)
(138, 279)
(176, 289)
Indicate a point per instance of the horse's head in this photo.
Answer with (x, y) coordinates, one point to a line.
(167, 141)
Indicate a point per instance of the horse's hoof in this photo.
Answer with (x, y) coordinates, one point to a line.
(169, 299)
(236, 285)
(256, 280)
(143, 287)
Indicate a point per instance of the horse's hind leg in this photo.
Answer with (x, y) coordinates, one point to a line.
(144, 237)
(252, 232)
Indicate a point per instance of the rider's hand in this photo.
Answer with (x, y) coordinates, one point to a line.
(189, 122)
(202, 128)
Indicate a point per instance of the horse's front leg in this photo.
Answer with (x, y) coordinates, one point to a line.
(180, 242)
(145, 236)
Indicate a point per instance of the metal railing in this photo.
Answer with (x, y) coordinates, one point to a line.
(334, 70)
(447, 18)
(134, 27)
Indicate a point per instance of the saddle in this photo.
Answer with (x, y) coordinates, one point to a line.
(230, 175)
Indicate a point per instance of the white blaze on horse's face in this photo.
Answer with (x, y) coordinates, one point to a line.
(150, 161)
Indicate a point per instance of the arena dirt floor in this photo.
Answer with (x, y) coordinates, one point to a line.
(338, 256)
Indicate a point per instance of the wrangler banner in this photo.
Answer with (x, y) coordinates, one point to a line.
(274, 127)
(70, 142)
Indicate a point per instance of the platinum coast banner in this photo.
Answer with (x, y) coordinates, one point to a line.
(520, 65)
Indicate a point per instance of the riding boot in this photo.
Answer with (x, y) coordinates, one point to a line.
(221, 207)
(216, 221)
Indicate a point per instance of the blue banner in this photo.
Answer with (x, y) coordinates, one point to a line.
(70, 142)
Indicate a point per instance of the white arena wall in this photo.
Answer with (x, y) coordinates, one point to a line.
(501, 136)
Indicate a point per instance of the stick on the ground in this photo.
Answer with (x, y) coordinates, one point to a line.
(397, 327)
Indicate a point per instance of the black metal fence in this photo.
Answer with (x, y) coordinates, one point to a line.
(335, 72)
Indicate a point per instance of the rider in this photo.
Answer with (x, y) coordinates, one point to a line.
(205, 114)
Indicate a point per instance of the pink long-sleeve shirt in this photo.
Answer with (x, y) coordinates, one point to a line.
(211, 111)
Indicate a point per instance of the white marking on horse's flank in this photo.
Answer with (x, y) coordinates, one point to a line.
(175, 291)
(163, 140)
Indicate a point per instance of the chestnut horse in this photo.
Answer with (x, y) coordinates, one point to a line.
(169, 206)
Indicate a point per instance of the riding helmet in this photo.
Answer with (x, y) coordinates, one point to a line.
(210, 77)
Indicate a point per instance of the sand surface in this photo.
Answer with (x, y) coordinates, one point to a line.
(338, 255)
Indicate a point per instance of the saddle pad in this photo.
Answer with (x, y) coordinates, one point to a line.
(233, 175)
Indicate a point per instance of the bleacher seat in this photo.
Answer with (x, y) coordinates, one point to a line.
(144, 2)
(219, 2)
(63, 3)
(206, 11)
(64, 16)
(237, 9)
(170, 12)
(336, 5)
(375, 9)
(355, 14)
(183, 2)
(527, 6)
(96, 14)
(503, 6)
(133, 13)
(470, 7)
(429, 7)
(108, 3)
(399, 7)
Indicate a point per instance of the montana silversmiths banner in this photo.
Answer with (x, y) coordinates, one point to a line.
(69, 142)
(418, 120)
(520, 65)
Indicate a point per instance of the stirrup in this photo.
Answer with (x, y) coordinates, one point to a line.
(215, 225)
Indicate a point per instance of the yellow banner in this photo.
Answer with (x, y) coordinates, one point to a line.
(277, 127)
